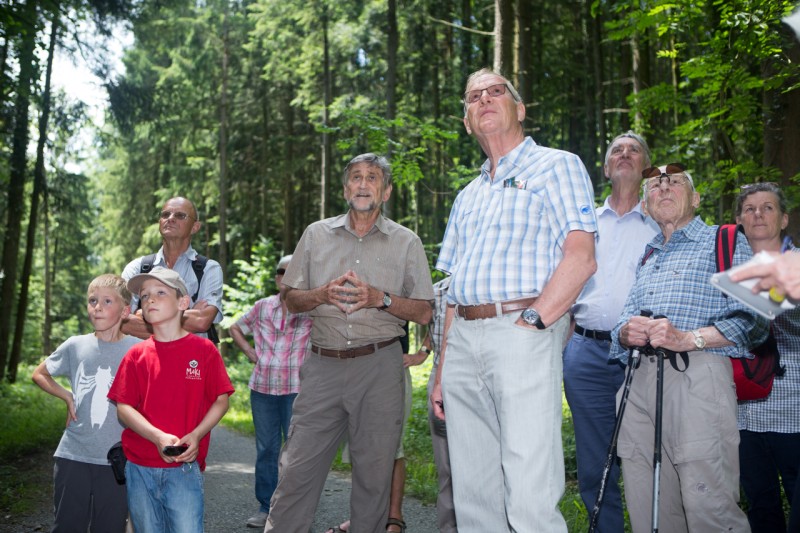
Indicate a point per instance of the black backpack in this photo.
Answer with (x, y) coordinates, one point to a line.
(198, 265)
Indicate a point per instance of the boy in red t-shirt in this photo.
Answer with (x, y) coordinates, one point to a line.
(171, 390)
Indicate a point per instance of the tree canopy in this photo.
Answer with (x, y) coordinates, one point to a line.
(250, 108)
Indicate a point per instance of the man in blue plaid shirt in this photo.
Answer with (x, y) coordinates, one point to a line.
(700, 471)
(519, 246)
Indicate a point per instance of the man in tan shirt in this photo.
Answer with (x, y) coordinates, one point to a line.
(360, 276)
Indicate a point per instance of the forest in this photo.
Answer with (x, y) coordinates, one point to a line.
(251, 108)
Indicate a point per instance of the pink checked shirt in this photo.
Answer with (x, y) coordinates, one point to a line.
(280, 342)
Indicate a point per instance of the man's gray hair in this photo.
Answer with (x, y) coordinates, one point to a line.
(636, 137)
(373, 160)
(483, 72)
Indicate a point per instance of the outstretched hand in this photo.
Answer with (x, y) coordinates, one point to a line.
(781, 276)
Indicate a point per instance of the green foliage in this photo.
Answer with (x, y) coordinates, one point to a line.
(32, 419)
(252, 280)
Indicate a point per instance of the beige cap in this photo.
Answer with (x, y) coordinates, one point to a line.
(167, 276)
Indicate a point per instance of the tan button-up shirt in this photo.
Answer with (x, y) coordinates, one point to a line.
(390, 258)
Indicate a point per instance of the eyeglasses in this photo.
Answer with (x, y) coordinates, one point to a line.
(673, 174)
(494, 91)
(280, 272)
(165, 215)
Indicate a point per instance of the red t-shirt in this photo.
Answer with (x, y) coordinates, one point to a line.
(173, 384)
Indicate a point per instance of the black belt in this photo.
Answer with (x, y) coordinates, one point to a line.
(350, 353)
(592, 334)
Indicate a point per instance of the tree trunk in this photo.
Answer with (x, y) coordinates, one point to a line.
(391, 85)
(326, 95)
(781, 134)
(16, 185)
(47, 321)
(525, 55)
(504, 36)
(222, 255)
(39, 185)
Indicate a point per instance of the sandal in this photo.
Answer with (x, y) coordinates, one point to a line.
(395, 522)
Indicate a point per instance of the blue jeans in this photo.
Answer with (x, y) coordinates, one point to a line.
(165, 500)
(271, 416)
(764, 460)
(591, 385)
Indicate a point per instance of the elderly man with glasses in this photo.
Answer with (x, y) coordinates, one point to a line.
(178, 222)
(697, 329)
(519, 246)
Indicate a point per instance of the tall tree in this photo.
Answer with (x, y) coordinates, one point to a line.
(28, 70)
(39, 186)
(504, 30)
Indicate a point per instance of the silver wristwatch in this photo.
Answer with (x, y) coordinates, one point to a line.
(532, 318)
(387, 301)
(699, 340)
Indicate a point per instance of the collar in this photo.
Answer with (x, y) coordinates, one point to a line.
(511, 158)
(343, 221)
(606, 208)
(190, 254)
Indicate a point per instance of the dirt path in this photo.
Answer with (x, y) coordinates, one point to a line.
(229, 481)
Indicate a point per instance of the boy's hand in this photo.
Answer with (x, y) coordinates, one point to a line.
(191, 453)
(168, 440)
(72, 416)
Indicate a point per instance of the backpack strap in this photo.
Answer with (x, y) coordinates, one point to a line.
(726, 246)
(147, 263)
(199, 266)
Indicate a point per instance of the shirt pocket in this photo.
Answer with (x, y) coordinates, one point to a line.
(517, 207)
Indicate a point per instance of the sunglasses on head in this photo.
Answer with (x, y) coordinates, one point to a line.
(655, 172)
(280, 271)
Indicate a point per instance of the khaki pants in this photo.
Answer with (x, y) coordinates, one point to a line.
(362, 397)
(699, 485)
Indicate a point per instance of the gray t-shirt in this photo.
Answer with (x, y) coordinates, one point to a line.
(90, 364)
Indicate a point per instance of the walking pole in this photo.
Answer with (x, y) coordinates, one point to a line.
(633, 364)
(657, 438)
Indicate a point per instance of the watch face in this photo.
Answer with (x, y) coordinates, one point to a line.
(387, 300)
(530, 316)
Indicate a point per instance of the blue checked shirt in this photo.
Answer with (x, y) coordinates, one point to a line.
(674, 282)
(504, 237)
(780, 411)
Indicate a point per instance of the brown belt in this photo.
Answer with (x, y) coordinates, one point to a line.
(477, 312)
(352, 352)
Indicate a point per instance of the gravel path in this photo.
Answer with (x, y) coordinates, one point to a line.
(229, 482)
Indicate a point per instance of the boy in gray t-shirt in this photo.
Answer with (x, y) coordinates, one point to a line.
(85, 490)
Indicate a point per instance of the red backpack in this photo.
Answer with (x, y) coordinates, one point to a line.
(753, 377)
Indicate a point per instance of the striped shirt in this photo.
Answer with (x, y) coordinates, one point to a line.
(674, 282)
(780, 411)
(504, 236)
(280, 341)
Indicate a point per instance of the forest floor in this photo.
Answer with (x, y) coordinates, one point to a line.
(229, 498)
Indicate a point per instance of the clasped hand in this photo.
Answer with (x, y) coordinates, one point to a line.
(657, 332)
(349, 293)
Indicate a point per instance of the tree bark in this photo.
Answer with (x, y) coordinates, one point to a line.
(16, 185)
(325, 176)
(39, 185)
(504, 36)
